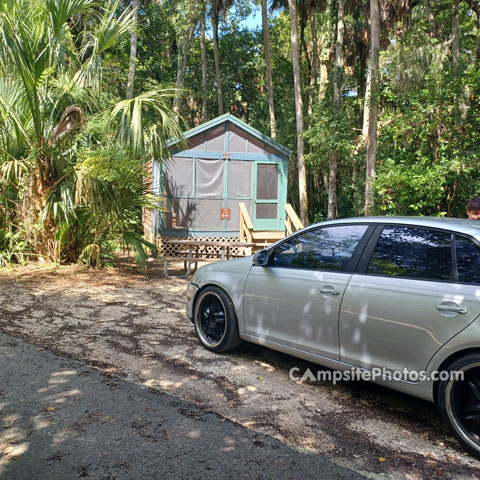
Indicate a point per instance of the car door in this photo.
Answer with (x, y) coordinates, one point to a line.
(295, 299)
(408, 298)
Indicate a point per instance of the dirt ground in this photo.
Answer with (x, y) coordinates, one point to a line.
(133, 324)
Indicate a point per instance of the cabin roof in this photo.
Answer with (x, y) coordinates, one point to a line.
(227, 117)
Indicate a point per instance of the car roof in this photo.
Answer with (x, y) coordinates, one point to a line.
(468, 227)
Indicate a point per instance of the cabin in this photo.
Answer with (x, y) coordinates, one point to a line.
(229, 182)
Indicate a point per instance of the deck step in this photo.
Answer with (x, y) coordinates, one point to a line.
(270, 235)
(262, 238)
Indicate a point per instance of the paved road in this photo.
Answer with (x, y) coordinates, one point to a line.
(62, 420)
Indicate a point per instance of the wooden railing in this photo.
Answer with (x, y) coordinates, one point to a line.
(292, 221)
(246, 228)
(262, 239)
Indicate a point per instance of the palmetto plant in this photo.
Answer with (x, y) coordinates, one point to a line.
(76, 184)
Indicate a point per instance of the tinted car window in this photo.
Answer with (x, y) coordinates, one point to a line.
(328, 248)
(413, 253)
(468, 260)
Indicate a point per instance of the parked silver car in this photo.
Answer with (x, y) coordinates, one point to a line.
(396, 294)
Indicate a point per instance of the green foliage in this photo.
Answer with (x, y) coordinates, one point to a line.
(13, 248)
(335, 133)
(72, 154)
(428, 129)
(104, 202)
(139, 245)
(91, 256)
(428, 148)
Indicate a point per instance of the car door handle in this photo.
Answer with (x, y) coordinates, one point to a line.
(451, 308)
(330, 290)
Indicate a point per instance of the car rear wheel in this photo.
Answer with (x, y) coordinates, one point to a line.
(459, 401)
(215, 321)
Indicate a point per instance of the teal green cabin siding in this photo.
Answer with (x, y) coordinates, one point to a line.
(224, 151)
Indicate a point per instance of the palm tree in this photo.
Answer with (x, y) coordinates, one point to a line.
(133, 50)
(50, 113)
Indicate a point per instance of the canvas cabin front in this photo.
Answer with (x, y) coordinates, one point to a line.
(226, 162)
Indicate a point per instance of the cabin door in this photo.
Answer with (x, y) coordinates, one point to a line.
(267, 211)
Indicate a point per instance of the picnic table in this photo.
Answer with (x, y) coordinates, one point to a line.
(194, 251)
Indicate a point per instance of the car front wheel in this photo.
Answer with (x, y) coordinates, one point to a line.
(215, 321)
(459, 401)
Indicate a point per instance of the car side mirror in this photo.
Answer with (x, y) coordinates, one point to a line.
(261, 258)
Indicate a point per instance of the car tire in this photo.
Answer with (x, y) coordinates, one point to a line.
(215, 321)
(459, 402)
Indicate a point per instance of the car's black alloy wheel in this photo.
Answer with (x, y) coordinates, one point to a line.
(459, 401)
(215, 320)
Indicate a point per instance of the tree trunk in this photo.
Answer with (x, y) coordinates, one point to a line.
(314, 66)
(431, 19)
(303, 24)
(184, 41)
(268, 67)
(338, 74)
(476, 50)
(455, 32)
(218, 78)
(302, 177)
(337, 95)
(322, 81)
(366, 103)
(462, 102)
(33, 211)
(133, 52)
(180, 77)
(203, 51)
(373, 103)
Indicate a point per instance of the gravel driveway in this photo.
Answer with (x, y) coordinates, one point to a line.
(133, 325)
(65, 421)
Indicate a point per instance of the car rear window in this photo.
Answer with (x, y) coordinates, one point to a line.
(412, 252)
(468, 260)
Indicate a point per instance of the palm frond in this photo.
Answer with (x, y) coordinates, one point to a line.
(11, 118)
(91, 256)
(139, 245)
(12, 169)
(60, 11)
(71, 118)
(112, 27)
(133, 131)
